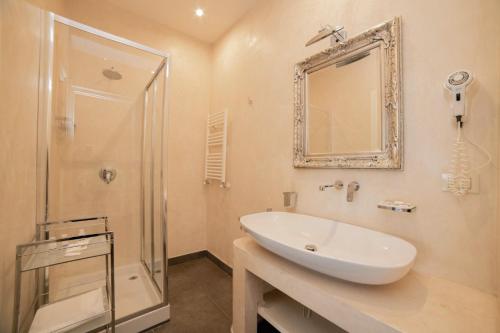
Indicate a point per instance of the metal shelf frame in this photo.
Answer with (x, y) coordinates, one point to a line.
(50, 250)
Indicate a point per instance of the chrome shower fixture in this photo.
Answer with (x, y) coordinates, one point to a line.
(107, 175)
(112, 74)
(338, 35)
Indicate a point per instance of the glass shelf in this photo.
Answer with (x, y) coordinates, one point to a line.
(72, 228)
(52, 252)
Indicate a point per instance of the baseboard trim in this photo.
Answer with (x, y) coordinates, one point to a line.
(186, 257)
(200, 254)
(222, 265)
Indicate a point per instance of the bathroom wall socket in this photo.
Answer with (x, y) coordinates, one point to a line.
(474, 183)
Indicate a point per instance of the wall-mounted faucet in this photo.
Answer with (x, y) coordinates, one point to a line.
(338, 185)
(351, 188)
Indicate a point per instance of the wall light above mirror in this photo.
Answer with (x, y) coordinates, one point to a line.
(348, 103)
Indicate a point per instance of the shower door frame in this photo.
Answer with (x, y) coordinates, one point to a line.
(44, 145)
(147, 100)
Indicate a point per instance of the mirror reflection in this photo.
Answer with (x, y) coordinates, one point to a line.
(344, 105)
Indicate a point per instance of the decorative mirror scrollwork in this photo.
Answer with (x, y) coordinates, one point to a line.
(348, 103)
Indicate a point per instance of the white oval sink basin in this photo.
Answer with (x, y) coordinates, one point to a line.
(336, 249)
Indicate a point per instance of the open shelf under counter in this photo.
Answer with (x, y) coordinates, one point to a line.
(289, 316)
(416, 303)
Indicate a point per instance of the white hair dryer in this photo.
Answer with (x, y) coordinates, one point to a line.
(456, 83)
(459, 181)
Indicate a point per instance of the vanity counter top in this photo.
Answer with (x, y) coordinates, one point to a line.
(416, 303)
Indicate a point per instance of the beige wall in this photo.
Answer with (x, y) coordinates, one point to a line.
(188, 106)
(456, 239)
(19, 50)
(497, 32)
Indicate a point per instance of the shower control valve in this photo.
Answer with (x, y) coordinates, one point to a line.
(107, 175)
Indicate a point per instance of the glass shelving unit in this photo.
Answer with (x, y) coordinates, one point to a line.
(90, 309)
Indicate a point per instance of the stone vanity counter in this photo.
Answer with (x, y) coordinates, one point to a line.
(414, 304)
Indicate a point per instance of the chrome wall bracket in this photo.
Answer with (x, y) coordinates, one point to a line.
(338, 35)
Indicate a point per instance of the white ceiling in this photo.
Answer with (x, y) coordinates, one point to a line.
(219, 16)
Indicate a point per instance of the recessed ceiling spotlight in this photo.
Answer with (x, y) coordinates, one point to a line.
(199, 12)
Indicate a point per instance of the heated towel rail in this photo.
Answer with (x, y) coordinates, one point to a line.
(216, 149)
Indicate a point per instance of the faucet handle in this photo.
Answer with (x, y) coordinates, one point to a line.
(354, 185)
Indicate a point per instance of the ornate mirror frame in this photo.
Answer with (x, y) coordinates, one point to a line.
(388, 35)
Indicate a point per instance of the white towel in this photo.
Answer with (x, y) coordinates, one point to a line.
(69, 313)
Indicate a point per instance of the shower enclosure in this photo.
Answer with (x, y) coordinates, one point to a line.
(101, 152)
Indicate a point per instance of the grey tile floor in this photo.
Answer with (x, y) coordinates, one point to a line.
(200, 295)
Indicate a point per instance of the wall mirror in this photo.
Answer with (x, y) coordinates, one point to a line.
(348, 103)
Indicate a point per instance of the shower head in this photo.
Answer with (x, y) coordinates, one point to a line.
(112, 74)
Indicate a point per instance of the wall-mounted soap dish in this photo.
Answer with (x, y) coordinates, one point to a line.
(397, 206)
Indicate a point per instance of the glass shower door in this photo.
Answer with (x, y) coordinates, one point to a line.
(153, 226)
(101, 154)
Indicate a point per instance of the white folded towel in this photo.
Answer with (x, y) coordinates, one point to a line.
(67, 314)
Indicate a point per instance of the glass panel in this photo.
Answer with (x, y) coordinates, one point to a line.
(158, 239)
(147, 240)
(96, 128)
(153, 231)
